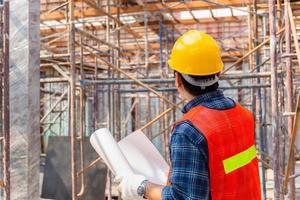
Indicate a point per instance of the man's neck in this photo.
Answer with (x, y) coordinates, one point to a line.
(189, 97)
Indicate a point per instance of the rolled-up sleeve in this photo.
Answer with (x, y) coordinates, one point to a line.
(189, 173)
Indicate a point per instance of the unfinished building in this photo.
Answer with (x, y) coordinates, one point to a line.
(70, 67)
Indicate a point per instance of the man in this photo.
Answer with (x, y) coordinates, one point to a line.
(212, 148)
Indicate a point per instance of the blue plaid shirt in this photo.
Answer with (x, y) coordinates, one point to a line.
(189, 153)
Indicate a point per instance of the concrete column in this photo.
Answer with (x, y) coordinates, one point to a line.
(24, 98)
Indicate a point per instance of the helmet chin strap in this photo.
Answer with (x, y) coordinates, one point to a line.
(200, 83)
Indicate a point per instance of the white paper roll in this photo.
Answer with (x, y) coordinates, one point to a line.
(144, 158)
(105, 145)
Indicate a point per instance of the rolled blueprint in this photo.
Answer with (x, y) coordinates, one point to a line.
(144, 158)
(108, 149)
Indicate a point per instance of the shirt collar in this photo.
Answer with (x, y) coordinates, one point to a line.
(199, 100)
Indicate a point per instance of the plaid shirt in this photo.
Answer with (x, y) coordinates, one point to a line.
(189, 153)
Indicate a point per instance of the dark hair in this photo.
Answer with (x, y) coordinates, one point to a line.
(196, 90)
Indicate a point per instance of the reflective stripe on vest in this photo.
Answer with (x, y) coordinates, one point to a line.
(239, 160)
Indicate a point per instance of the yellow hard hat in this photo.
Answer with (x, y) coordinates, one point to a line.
(196, 53)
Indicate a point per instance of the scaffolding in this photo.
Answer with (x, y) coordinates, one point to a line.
(104, 64)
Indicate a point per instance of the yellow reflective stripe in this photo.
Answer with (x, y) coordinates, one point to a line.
(239, 160)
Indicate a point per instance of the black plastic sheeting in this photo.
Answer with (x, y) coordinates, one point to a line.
(57, 171)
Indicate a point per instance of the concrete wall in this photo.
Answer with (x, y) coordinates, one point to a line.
(24, 98)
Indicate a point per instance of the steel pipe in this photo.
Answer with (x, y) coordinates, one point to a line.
(170, 80)
(173, 89)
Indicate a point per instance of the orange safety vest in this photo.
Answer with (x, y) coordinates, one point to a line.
(233, 165)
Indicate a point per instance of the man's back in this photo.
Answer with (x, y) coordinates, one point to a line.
(210, 116)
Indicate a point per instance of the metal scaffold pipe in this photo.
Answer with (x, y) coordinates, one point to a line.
(274, 100)
(171, 80)
(72, 81)
(173, 89)
(289, 92)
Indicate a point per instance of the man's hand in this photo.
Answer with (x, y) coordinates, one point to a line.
(129, 186)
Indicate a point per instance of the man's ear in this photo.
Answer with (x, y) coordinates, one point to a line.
(178, 81)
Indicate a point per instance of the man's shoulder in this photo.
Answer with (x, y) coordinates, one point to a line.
(188, 130)
(222, 103)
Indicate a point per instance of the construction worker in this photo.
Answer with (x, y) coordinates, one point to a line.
(212, 149)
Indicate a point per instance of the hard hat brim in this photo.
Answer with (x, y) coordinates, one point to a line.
(185, 70)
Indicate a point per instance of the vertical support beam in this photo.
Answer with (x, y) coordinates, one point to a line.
(95, 99)
(109, 90)
(167, 52)
(72, 121)
(5, 111)
(24, 98)
(146, 39)
(81, 116)
(81, 137)
(289, 92)
(148, 114)
(161, 43)
(250, 37)
(134, 101)
(259, 108)
(118, 64)
(274, 99)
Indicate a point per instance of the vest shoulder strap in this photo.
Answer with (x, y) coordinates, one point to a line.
(202, 110)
